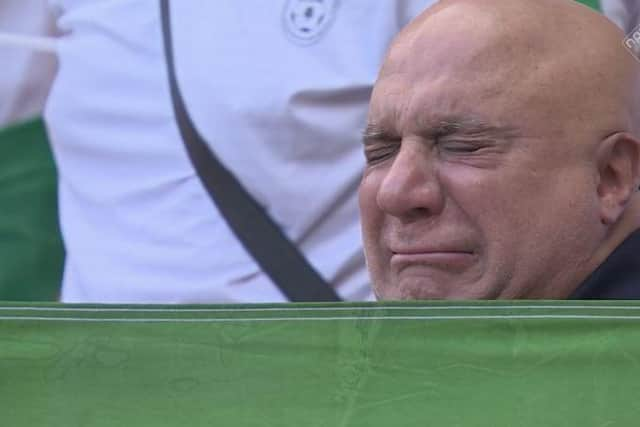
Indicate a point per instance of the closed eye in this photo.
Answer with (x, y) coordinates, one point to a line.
(380, 151)
(461, 146)
(379, 144)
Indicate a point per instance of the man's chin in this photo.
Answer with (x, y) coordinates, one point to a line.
(422, 288)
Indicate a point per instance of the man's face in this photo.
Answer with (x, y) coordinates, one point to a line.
(474, 188)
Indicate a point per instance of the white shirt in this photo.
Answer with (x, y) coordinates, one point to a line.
(278, 88)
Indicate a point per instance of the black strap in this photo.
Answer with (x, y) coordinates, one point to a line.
(260, 236)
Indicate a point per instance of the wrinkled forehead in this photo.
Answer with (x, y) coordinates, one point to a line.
(428, 75)
(519, 74)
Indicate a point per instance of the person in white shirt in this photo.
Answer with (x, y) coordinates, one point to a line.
(278, 89)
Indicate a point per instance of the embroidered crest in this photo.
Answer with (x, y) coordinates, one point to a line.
(305, 21)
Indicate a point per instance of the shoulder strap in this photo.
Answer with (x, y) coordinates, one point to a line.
(260, 236)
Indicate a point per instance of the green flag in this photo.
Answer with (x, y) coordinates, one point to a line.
(31, 253)
(593, 3)
(570, 363)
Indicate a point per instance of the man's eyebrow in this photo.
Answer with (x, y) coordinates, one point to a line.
(466, 126)
(443, 127)
(374, 132)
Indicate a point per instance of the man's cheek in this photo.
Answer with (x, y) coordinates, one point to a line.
(367, 199)
(370, 217)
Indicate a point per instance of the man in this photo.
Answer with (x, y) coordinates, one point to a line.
(502, 156)
(278, 90)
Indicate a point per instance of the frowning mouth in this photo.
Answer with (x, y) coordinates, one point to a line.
(439, 259)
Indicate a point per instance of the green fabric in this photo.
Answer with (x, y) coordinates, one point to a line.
(438, 364)
(593, 3)
(31, 252)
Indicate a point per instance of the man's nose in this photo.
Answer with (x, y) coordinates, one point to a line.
(411, 189)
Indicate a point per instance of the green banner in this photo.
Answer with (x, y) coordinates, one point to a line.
(437, 364)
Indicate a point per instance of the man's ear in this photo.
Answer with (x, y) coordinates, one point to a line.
(618, 160)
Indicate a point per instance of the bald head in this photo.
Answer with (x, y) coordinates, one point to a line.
(502, 132)
(558, 55)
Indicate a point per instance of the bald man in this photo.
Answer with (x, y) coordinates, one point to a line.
(502, 156)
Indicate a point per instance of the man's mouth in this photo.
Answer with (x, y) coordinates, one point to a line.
(436, 258)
